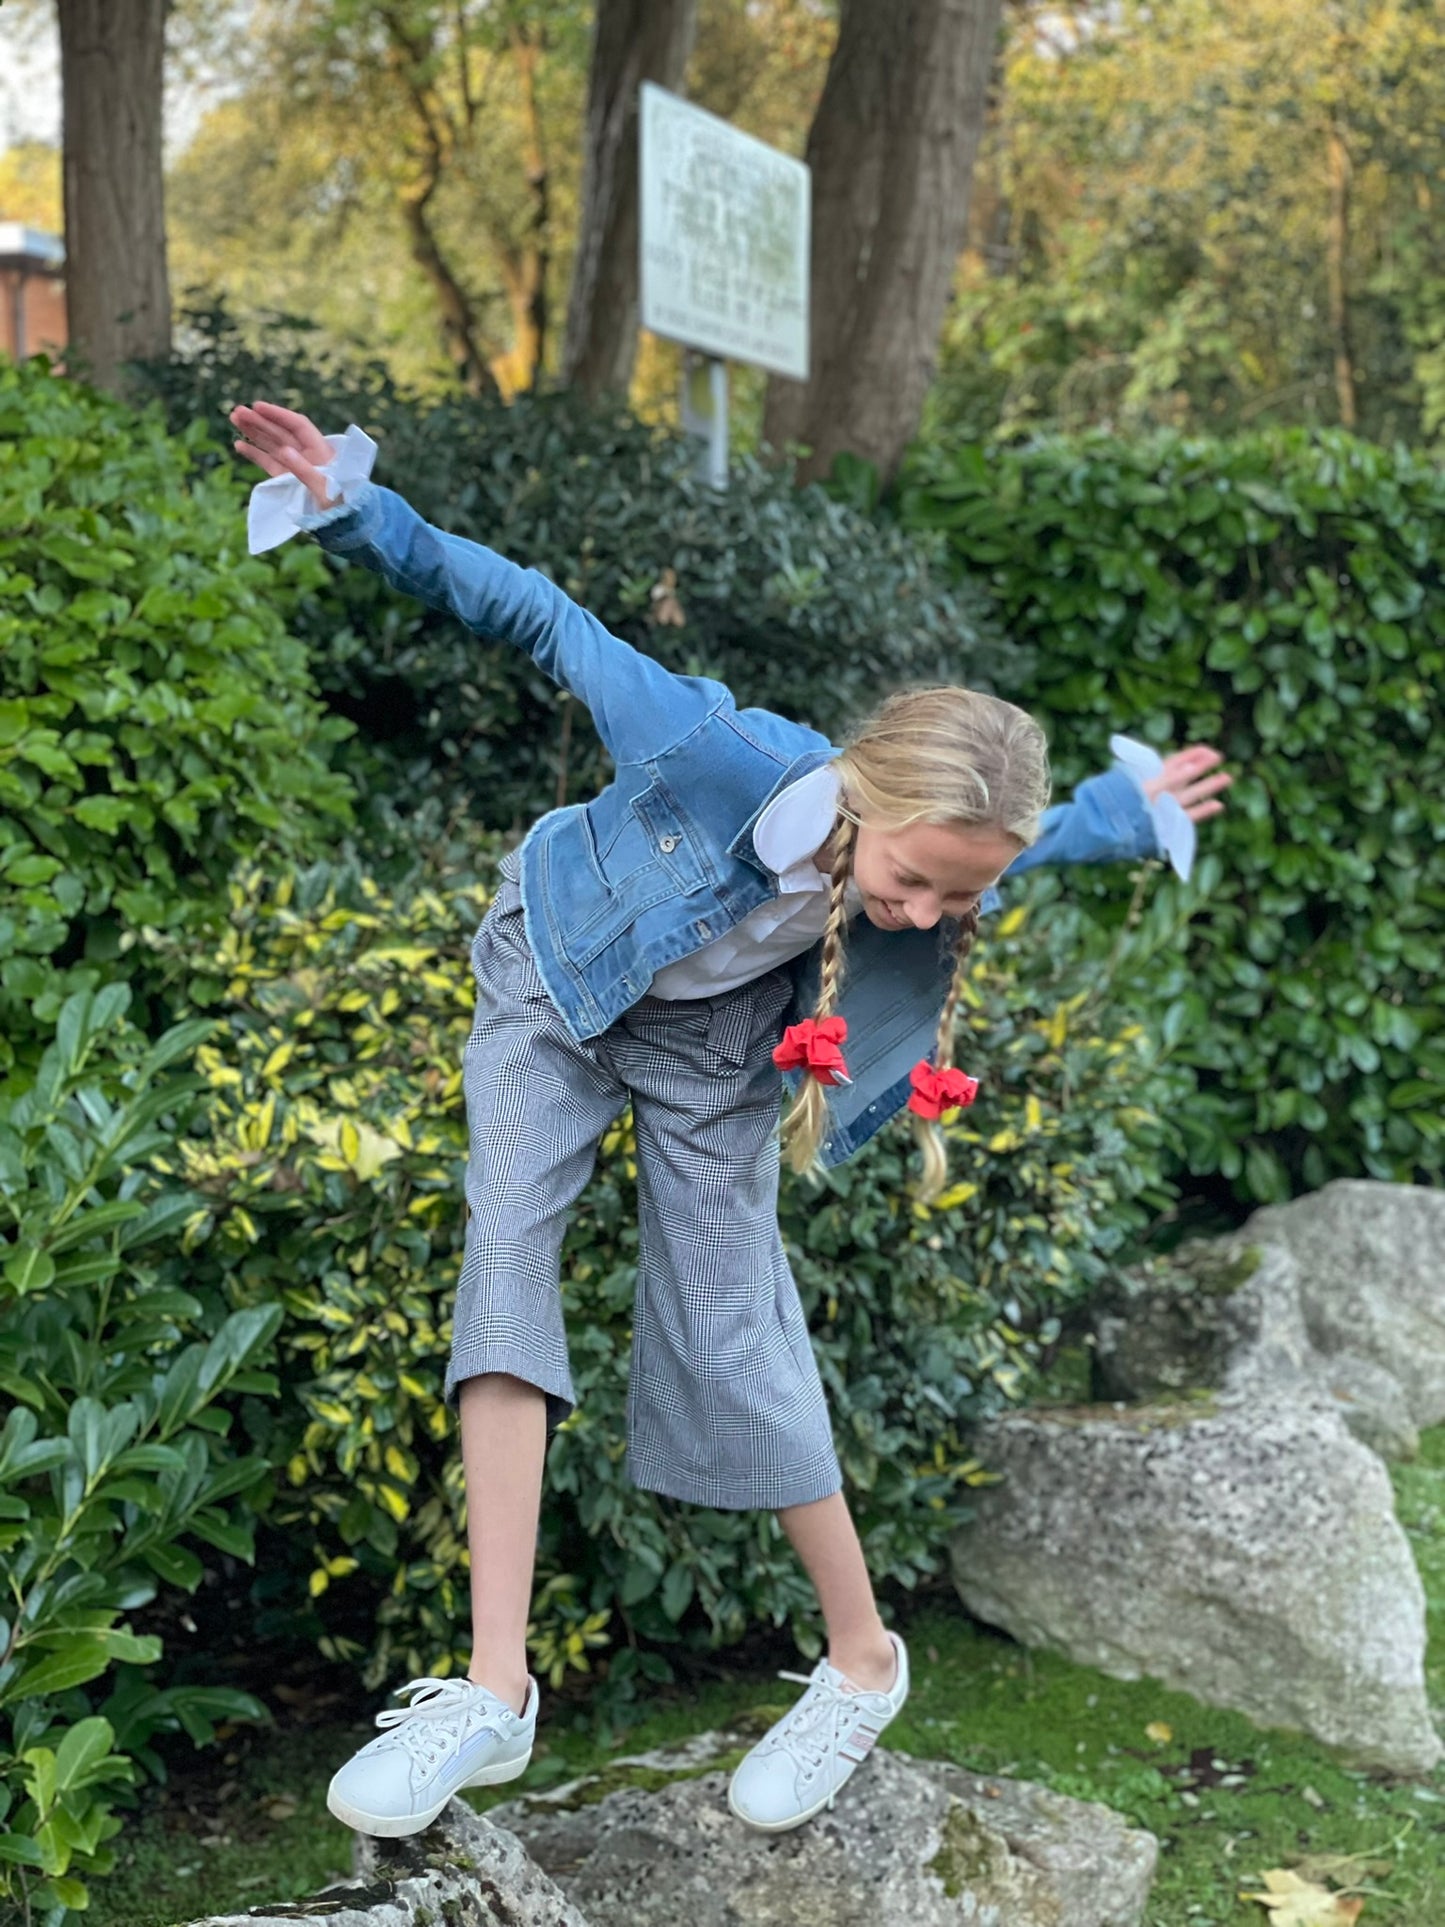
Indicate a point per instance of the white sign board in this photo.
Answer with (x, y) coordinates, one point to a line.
(725, 227)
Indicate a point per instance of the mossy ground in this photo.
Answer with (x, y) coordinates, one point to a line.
(1225, 1800)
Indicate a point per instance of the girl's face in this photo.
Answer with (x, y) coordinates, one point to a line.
(910, 878)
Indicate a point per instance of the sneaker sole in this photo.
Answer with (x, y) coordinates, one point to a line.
(397, 1826)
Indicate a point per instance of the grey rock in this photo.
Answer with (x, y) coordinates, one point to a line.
(1371, 1401)
(463, 1871)
(1183, 1321)
(1244, 1550)
(1371, 1260)
(1229, 1315)
(910, 1843)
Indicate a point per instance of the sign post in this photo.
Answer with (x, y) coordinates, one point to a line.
(725, 226)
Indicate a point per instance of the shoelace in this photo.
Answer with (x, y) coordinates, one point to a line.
(432, 1699)
(812, 1733)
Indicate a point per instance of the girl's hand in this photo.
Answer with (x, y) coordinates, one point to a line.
(1184, 777)
(284, 443)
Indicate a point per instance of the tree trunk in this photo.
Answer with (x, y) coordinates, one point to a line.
(454, 306)
(118, 301)
(633, 41)
(892, 149)
(524, 268)
(1337, 260)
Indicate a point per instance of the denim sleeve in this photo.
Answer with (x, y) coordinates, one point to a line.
(1107, 820)
(640, 708)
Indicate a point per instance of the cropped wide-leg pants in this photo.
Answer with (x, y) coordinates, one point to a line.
(725, 1406)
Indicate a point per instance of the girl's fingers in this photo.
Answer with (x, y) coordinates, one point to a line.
(1192, 761)
(286, 417)
(1201, 811)
(260, 457)
(257, 430)
(299, 430)
(273, 428)
(266, 445)
(315, 482)
(1191, 793)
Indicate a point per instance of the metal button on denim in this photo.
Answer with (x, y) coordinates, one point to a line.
(667, 844)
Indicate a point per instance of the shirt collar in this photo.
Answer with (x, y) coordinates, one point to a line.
(797, 822)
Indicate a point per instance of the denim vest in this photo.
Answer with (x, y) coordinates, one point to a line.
(663, 861)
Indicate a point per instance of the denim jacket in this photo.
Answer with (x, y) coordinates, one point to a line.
(662, 861)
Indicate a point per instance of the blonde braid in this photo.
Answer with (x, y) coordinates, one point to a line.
(926, 1130)
(806, 1123)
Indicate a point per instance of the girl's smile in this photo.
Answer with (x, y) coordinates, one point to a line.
(911, 878)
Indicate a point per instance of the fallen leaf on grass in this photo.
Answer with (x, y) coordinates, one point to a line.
(1159, 1731)
(1293, 1902)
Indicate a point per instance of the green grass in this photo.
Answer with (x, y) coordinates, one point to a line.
(231, 1833)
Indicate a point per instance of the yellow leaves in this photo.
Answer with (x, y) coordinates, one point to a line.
(1159, 1731)
(408, 957)
(329, 1409)
(393, 1501)
(328, 1570)
(354, 1146)
(1005, 1140)
(277, 1061)
(955, 1195)
(1295, 1902)
(253, 1127)
(1012, 921)
(218, 1074)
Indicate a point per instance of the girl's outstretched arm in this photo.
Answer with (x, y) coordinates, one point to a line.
(1146, 805)
(639, 707)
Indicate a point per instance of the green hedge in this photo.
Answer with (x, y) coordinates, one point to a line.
(1282, 595)
(156, 720)
(332, 1183)
(120, 1454)
(796, 601)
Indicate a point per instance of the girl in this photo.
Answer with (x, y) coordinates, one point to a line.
(650, 947)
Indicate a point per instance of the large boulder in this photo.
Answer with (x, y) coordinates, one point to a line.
(1244, 1550)
(1229, 1315)
(1371, 1261)
(911, 1843)
(462, 1870)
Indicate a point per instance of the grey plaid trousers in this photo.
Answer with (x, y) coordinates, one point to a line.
(725, 1406)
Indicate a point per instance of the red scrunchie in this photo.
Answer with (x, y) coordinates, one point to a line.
(935, 1092)
(815, 1046)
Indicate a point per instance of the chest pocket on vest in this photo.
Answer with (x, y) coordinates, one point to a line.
(654, 832)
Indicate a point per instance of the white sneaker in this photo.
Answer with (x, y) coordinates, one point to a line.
(453, 1734)
(798, 1767)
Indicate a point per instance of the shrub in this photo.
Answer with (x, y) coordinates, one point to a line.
(156, 721)
(332, 1174)
(796, 601)
(1282, 595)
(116, 1450)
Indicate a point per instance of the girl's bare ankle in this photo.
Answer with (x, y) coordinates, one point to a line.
(870, 1664)
(509, 1685)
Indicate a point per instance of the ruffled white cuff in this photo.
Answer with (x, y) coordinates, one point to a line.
(1172, 823)
(277, 504)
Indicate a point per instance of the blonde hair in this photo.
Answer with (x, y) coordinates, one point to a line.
(932, 755)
